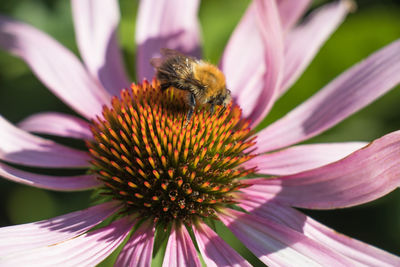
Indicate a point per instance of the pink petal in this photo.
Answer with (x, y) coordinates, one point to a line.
(180, 249)
(214, 250)
(58, 124)
(96, 23)
(88, 249)
(244, 68)
(301, 158)
(278, 245)
(20, 147)
(305, 40)
(252, 86)
(345, 95)
(365, 175)
(169, 24)
(47, 232)
(139, 249)
(359, 252)
(58, 183)
(55, 66)
(291, 11)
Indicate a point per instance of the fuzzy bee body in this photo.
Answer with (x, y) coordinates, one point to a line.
(204, 81)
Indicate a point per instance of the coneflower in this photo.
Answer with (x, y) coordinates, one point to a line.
(156, 176)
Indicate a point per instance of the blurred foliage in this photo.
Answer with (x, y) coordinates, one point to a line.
(375, 24)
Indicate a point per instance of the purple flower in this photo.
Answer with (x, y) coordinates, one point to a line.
(160, 174)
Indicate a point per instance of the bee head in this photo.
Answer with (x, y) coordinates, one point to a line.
(226, 98)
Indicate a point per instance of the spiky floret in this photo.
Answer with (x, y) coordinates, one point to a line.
(157, 167)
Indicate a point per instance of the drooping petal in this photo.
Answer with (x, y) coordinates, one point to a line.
(54, 65)
(58, 124)
(278, 245)
(214, 250)
(58, 183)
(244, 68)
(272, 38)
(291, 11)
(360, 252)
(363, 176)
(305, 40)
(180, 249)
(20, 147)
(169, 24)
(88, 249)
(348, 93)
(47, 232)
(253, 74)
(301, 158)
(96, 23)
(139, 249)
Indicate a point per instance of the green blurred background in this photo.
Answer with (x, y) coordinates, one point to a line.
(375, 24)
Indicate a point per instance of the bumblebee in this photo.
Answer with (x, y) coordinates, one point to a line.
(204, 81)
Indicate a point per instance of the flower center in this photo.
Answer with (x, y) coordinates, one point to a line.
(158, 167)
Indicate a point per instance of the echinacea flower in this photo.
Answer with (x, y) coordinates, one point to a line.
(151, 172)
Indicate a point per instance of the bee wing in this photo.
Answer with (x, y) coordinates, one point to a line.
(166, 52)
(156, 62)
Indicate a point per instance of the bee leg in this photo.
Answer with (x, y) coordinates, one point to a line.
(192, 103)
(222, 110)
(212, 109)
(165, 86)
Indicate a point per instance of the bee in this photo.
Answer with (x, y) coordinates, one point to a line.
(204, 81)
